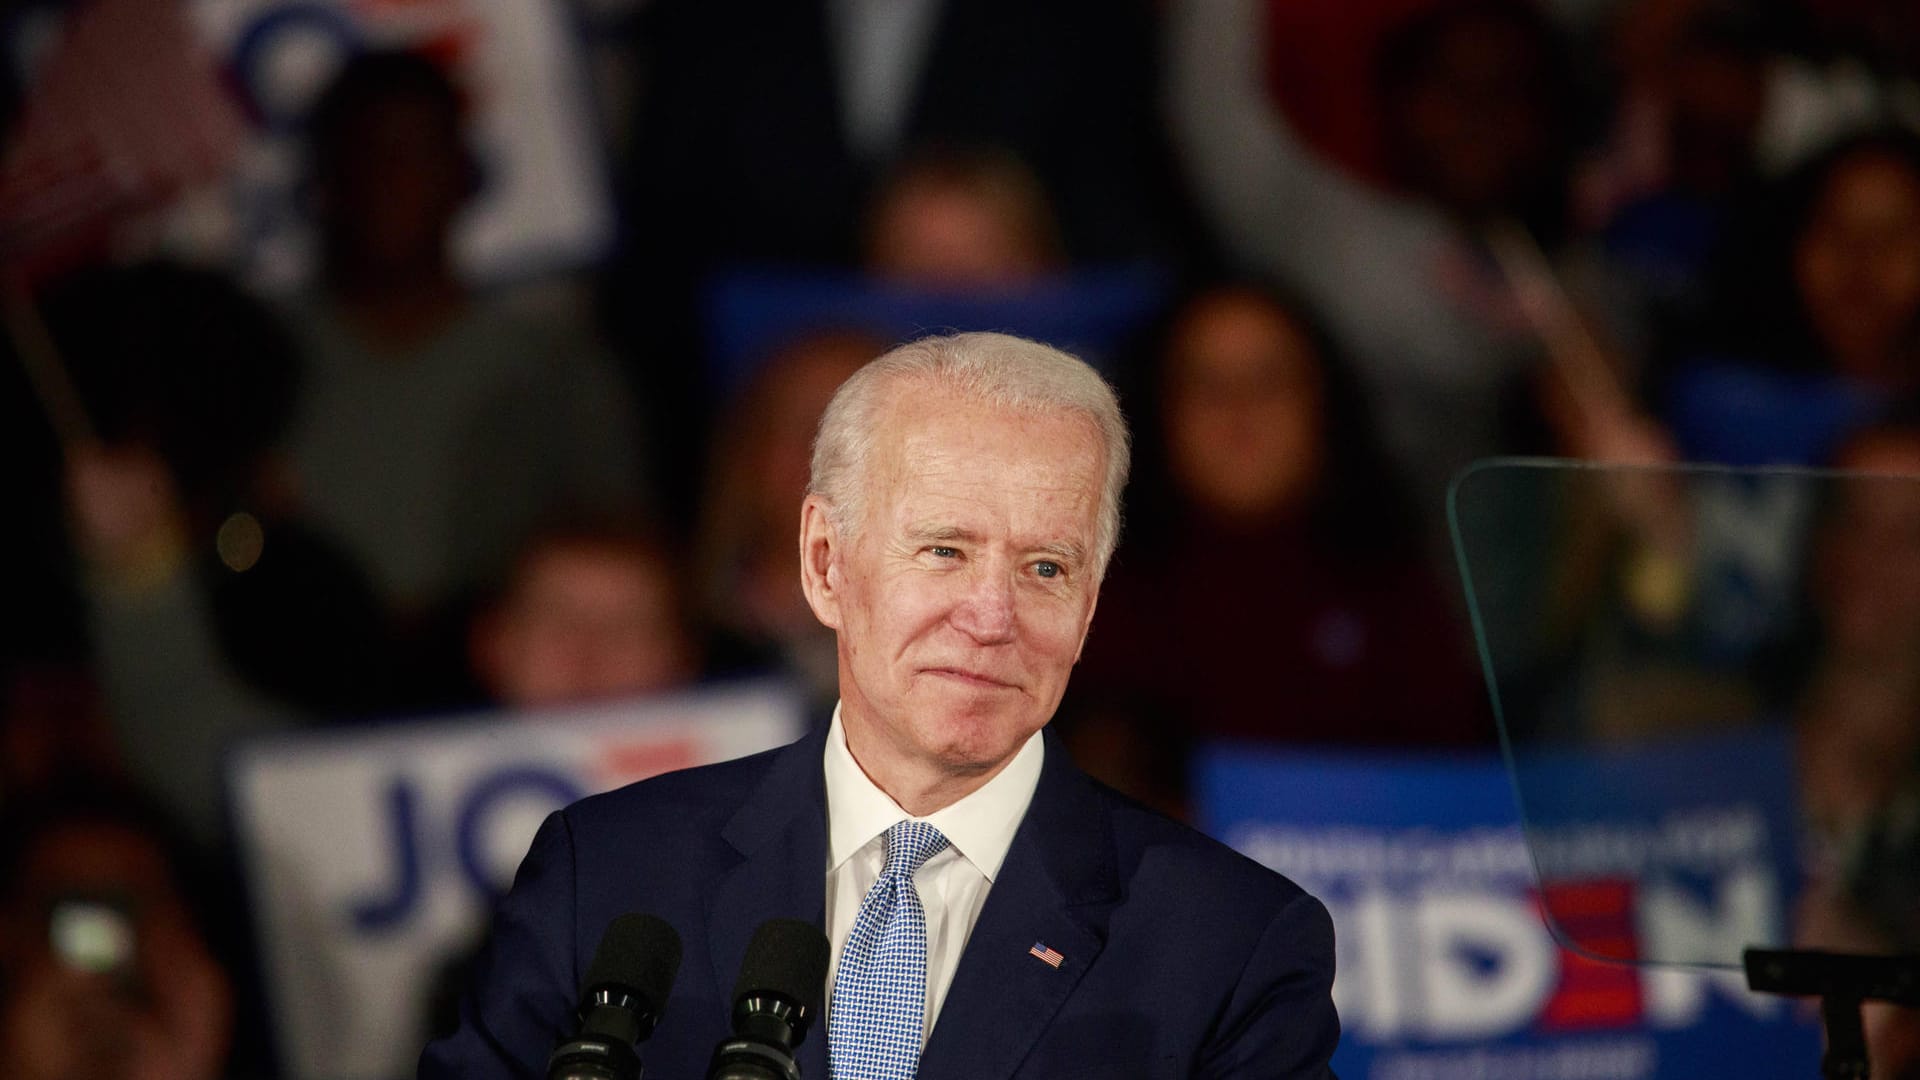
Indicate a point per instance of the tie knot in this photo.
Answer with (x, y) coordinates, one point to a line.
(909, 845)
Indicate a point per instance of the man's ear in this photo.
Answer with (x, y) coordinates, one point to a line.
(820, 561)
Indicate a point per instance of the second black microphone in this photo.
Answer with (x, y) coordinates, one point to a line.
(782, 980)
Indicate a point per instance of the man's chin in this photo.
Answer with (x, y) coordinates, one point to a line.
(971, 741)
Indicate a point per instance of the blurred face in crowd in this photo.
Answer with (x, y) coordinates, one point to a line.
(964, 594)
(399, 180)
(1468, 124)
(1869, 587)
(951, 232)
(1857, 265)
(1243, 404)
(585, 621)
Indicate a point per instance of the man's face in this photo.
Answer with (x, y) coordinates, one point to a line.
(963, 598)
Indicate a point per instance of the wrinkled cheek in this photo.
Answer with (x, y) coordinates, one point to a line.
(856, 619)
(868, 649)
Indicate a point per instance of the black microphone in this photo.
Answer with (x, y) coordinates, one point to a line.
(626, 988)
(777, 996)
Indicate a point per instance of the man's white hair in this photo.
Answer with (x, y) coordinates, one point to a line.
(998, 369)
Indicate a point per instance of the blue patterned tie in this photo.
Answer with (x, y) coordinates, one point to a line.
(880, 990)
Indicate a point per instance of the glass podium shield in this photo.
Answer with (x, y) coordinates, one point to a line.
(1707, 682)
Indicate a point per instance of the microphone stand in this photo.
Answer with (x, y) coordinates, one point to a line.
(1843, 982)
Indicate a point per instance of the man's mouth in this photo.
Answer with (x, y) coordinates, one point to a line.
(970, 678)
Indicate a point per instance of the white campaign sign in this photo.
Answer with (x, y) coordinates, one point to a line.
(373, 855)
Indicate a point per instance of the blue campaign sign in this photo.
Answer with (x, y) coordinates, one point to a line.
(1701, 833)
(1447, 968)
(1090, 312)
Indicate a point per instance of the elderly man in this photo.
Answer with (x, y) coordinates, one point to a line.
(992, 911)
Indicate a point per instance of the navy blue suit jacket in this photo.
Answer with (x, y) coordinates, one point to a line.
(1182, 958)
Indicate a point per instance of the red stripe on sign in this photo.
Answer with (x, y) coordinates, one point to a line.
(1598, 917)
(622, 763)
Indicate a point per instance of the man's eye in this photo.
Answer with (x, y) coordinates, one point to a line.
(1048, 569)
(945, 553)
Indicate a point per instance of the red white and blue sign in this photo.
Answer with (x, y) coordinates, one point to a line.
(1447, 969)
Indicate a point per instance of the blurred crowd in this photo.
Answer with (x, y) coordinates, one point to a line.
(1383, 240)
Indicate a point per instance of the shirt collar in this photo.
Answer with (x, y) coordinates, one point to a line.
(980, 826)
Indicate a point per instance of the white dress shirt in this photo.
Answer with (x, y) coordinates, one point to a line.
(952, 885)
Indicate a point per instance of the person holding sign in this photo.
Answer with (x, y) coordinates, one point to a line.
(991, 911)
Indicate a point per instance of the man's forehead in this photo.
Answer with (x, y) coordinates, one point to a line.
(953, 466)
(909, 402)
(944, 429)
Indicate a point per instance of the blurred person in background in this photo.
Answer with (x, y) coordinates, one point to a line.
(1817, 334)
(1681, 163)
(1852, 263)
(106, 971)
(594, 609)
(962, 220)
(435, 427)
(212, 607)
(1817, 326)
(749, 567)
(1860, 710)
(591, 611)
(1477, 122)
(769, 127)
(1271, 546)
(765, 130)
(1859, 724)
(1856, 263)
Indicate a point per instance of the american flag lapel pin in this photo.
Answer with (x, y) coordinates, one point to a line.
(1046, 955)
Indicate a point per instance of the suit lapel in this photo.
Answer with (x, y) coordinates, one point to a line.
(1055, 889)
(781, 835)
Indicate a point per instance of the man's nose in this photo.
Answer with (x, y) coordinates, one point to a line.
(985, 613)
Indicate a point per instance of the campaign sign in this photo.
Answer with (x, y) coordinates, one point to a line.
(374, 856)
(1447, 969)
(750, 311)
(542, 200)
